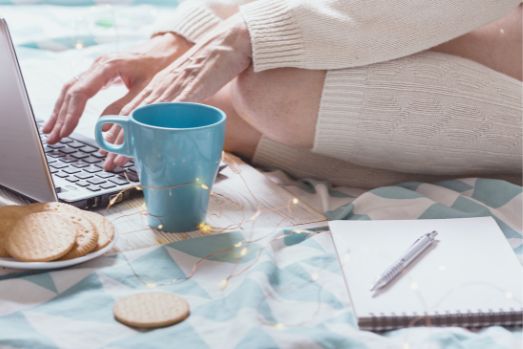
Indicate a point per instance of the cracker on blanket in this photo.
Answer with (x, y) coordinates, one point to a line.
(151, 310)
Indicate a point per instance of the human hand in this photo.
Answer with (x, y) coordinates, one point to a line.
(198, 74)
(203, 70)
(135, 69)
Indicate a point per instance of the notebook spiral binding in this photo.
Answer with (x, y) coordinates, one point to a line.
(471, 319)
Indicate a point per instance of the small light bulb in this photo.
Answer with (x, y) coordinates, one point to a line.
(205, 228)
(139, 188)
(160, 226)
(204, 186)
(295, 201)
(223, 284)
(279, 326)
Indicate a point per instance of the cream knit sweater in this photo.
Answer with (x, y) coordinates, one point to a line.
(428, 113)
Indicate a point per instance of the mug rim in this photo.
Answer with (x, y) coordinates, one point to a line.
(222, 114)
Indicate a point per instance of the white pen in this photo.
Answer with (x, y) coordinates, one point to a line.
(420, 245)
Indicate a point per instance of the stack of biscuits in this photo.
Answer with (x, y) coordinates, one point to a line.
(51, 231)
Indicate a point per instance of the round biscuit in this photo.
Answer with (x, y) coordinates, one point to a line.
(51, 206)
(86, 239)
(9, 215)
(151, 310)
(103, 226)
(41, 237)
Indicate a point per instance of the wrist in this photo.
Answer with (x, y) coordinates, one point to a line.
(166, 47)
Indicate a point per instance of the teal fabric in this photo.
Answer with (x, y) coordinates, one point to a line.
(290, 294)
(287, 293)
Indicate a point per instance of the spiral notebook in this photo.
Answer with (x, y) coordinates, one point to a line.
(470, 277)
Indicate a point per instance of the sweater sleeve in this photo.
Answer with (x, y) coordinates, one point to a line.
(334, 34)
(192, 20)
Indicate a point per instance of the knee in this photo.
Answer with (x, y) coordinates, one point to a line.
(280, 103)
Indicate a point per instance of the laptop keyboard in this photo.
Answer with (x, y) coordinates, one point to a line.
(81, 165)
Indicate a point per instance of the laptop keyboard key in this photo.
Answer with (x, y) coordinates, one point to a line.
(119, 180)
(83, 175)
(107, 185)
(54, 170)
(83, 184)
(105, 175)
(58, 165)
(93, 188)
(68, 159)
(88, 149)
(71, 170)
(68, 150)
(92, 160)
(72, 179)
(76, 144)
(66, 140)
(92, 169)
(96, 180)
(61, 175)
(80, 164)
(79, 155)
(98, 155)
(55, 154)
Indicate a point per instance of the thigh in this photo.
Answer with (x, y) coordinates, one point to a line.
(282, 104)
(497, 45)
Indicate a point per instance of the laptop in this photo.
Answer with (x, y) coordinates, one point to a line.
(70, 171)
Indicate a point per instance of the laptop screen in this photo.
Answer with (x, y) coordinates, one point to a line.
(23, 166)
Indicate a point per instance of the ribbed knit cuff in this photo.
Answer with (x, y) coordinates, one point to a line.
(276, 38)
(341, 103)
(190, 20)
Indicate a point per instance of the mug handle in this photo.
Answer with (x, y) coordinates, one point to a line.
(122, 149)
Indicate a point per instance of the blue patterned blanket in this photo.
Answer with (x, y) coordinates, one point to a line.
(251, 289)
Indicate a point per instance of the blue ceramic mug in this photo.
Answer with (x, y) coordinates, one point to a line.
(177, 150)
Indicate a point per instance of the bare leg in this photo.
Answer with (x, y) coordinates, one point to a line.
(497, 45)
(240, 137)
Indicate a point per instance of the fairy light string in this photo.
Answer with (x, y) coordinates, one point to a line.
(277, 238)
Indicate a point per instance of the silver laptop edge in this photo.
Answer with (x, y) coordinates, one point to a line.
(24, 166)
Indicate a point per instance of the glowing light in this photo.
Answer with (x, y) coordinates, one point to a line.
(160, 226)
(315, 276)
(295, 201)
(243, 252)
(238, 244)
(223, 284)
(204, 186)
(150, 285)
(139, 188)
(414, 285)
(205, 228)
(279, 326)
(79, 45)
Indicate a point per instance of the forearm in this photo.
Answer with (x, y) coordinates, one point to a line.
(348, 33)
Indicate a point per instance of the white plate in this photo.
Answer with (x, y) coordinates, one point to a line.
(14, 264)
